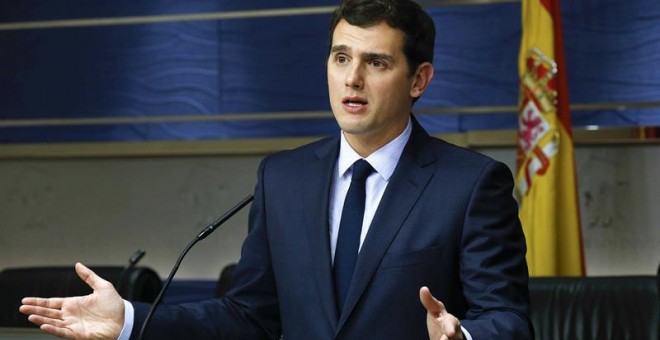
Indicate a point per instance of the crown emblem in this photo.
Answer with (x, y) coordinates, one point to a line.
(537, 142)
(539, 81)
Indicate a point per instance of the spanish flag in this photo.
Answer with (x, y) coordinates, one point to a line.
(545, 180)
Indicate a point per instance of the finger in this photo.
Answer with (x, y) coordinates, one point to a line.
(91, 279)
(42, 320)
(55, 303)
(41, 311)
(61, 332)
(431, 304)
(36, 319)
(451, 326)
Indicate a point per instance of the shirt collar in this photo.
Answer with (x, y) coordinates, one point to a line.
(383, 160)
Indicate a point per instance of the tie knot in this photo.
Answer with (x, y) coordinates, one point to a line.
(361, 170)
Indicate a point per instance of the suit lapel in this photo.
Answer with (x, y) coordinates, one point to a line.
(404, 189)
(317, 178)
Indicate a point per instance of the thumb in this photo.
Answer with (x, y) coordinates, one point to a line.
(91, 279)
(431, 304)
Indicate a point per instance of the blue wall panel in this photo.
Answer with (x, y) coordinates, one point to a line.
(211, 68)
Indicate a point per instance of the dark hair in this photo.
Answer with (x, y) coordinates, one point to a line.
(406, 15)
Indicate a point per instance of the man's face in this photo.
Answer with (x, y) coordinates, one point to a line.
(369, 82)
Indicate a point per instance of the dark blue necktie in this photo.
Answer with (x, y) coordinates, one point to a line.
(350, 227)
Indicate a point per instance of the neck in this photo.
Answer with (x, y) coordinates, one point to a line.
(366, 144)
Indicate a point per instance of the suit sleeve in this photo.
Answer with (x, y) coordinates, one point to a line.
(248, 311)
(493, 271)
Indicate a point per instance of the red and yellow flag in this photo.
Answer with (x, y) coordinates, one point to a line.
(546, 181)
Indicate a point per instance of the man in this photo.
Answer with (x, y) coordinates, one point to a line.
(435, 216)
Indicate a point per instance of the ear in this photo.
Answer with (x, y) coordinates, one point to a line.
(421, 80)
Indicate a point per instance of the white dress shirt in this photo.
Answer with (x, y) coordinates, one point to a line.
(383, 160)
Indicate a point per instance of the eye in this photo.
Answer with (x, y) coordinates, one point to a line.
(377, 63)
(341, 59)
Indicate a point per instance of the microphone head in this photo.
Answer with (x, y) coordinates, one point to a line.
(136, 257)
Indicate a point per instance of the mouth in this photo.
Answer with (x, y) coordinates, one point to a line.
(354, 102)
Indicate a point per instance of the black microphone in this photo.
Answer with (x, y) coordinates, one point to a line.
(135, 258)
(122, 282)
(202, 235)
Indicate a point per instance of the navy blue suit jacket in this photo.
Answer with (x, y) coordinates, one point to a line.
(447, 220)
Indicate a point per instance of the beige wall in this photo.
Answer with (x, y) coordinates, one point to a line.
(99, 211)
(619, 189)
(56, 211)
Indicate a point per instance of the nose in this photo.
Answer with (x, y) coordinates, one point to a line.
(354, 77)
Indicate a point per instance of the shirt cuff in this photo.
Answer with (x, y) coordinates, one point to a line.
(128, 321)
(466, 334)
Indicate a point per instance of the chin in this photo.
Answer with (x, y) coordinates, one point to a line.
(354, 130)
(351, 126)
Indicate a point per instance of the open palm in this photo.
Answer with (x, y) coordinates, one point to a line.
(99, 315)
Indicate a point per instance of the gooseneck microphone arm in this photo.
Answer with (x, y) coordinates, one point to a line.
(202, 235)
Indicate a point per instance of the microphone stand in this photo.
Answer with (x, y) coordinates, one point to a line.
(202, 235)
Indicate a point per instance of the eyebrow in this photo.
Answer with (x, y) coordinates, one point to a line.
(365, 55)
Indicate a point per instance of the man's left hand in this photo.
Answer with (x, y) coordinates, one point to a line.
(441, 324)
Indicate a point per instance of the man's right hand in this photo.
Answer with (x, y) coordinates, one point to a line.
(99, 315)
